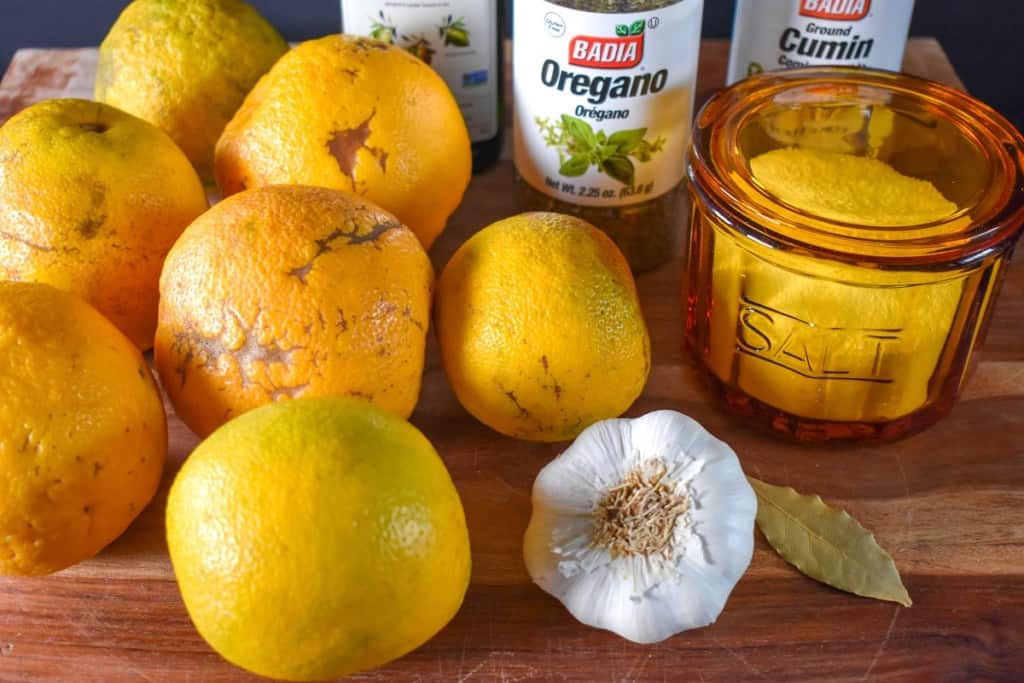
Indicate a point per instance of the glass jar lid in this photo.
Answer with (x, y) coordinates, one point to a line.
(917, 129)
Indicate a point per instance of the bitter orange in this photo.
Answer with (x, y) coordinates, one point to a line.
(83, 436)
(540, 327)
(317, 538)
(358, 115)
(91, 200)
(285, 291)
(185, 66)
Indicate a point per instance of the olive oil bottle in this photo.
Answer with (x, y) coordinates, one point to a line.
(461, 40)
(603, 103)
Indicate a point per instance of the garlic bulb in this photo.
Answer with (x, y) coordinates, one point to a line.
(642, 526)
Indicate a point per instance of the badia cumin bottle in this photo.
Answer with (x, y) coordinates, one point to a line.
(603, 102)
(790, 34)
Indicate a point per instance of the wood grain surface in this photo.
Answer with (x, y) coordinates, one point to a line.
(948, 504)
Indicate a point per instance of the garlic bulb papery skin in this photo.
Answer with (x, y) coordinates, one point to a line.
(642, 526)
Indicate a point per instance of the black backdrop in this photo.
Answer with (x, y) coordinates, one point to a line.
(982, 38)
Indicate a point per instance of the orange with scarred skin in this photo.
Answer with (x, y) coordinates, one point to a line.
(358, 115)
(286, 291)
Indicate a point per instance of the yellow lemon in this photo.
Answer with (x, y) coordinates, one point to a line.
(315, 538)
(83, 436)
(185, 66)
(540, 327)
(358, 115)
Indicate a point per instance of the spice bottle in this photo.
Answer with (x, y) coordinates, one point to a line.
(789, 34)
(461, 40)
(603, 103)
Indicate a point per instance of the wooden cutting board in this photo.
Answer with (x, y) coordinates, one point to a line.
(947, 503)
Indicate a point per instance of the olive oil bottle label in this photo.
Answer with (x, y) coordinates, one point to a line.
(788, 34)
(458, 38)
(603, 101)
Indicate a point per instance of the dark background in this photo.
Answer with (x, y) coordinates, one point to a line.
(982, 38)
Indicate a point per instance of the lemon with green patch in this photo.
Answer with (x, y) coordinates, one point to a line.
(185, 66)
(315, 538)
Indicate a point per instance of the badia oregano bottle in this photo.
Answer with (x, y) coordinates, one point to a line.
(603, 103)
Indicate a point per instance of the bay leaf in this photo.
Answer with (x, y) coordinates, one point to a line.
(826, 544)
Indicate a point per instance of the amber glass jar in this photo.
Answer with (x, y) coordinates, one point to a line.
(826, 330)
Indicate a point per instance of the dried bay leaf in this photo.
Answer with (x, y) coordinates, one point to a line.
(826, 544)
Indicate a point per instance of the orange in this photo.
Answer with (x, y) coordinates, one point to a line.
(353, 114)
(316, 538)
(540, 327)
(83, 437)
(91, 200)
(185, 66)
(287, 291)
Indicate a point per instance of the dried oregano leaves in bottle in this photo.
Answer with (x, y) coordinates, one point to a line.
(604, 99)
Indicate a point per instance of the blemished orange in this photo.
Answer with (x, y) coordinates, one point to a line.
(353, 114)
(91, 200)
(83, 437)
(285, 291)
(316, 538)
(540, 327)
(185, 66)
